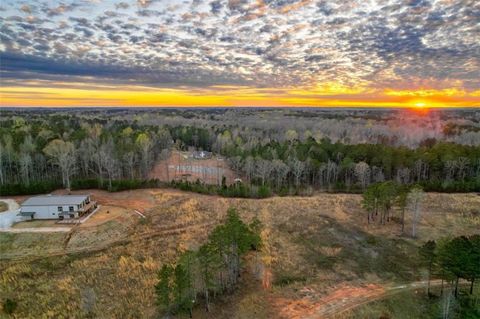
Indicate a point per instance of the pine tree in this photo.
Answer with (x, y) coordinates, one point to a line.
(427, 251)
(164, 287)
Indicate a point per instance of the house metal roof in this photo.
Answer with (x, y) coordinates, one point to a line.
(54, 200)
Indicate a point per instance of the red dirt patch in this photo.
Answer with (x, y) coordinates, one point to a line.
(139, 199)
(342, 298)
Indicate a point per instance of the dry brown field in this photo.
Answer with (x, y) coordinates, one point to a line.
(318, 251)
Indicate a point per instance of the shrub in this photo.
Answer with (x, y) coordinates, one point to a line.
(40, 187)
(85, 183)
(264, 191)
(9, 306)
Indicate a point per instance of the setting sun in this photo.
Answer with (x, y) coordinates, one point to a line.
(420, 105)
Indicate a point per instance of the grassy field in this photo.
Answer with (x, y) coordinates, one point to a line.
(317, 250)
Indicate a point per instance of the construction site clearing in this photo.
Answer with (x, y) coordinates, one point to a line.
(191, 166)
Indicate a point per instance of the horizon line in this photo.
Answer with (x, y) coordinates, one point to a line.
(234, 107)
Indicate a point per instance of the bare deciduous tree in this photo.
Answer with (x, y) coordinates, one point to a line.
(297, 168)
(25, 161)
(462, 166)
(281, 171)
(145, 145)
(109, 161)
(420, 170)
(403, 175)
(415, 198)
(362, 172)
(263, 168)
(249, 167)
(62, 154)
(450, 168)
(236, 164)
(332, 172)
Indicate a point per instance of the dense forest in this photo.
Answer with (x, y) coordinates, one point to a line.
(342, 151)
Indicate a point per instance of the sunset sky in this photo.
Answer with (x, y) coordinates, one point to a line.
(388, 53)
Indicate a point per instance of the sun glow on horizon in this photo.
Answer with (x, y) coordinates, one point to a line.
(420, 105)
(331, 95)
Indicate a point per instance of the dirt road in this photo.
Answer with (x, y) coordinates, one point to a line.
(350, 301)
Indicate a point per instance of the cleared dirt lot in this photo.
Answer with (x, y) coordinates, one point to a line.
(317, 250)
(182, 166)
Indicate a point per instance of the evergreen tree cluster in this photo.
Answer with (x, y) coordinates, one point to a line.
(380, 199)
(452, 260)
(214, 269)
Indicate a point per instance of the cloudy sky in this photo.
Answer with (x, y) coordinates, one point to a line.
(240, 53)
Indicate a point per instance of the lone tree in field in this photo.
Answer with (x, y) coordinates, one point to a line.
(415, 199)
(62, 154)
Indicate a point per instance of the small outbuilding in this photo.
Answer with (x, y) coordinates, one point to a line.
(57, 206)
(202, 155)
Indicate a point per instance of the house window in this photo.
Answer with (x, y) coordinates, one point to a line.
(70, 208)
(60, 209)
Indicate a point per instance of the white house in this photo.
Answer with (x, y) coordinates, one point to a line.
(57, 206)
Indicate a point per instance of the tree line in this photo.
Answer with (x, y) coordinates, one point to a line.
(38, 156)
(202, 275)
(69, 150)
(339, 167)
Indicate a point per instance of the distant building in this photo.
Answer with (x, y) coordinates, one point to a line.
(202, 155)
(57, 206)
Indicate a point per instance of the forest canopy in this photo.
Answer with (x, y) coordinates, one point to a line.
(116, 149)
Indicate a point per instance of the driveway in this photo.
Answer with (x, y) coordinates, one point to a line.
(9, 217)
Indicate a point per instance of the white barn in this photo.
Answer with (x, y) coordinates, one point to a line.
(57, 206)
